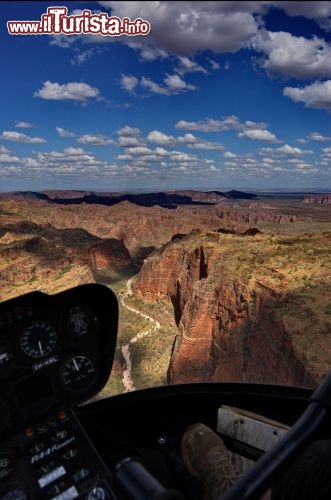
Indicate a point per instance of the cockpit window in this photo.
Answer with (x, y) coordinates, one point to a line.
(180, 154)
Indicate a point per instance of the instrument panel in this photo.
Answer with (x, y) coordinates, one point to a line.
(56, 351)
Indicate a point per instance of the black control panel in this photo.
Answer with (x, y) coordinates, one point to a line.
(56, 351)
(52, 460)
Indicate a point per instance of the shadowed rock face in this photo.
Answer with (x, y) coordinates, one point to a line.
(111, 255)
(230, 328)
(42, 257)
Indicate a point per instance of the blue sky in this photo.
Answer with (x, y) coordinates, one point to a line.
(219, 95)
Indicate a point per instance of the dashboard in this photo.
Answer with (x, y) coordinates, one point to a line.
(56, 351)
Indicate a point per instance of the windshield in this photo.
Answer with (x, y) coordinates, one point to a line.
(179, 153)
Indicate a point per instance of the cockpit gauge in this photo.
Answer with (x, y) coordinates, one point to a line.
(81, 320)
(14, 494)
(6, 465)
(38, 339)
(78, 373)
(6, 362)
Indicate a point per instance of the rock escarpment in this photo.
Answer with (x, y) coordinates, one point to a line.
(42, 257)
(236, 313)
(322, 199)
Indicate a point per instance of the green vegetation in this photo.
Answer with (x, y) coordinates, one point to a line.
(63, 271)
(151, 357)
(114, 386)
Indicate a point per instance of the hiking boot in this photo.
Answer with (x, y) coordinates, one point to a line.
(207, 458)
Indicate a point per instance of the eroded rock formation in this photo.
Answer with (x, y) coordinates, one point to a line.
(232, 309)
(322, 199)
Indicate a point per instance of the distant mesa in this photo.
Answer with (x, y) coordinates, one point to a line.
(322, 199)
(167, 199)
(240, 195)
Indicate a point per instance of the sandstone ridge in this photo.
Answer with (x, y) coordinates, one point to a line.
(238, 309)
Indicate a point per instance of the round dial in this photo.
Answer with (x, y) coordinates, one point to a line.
(14, 494)
(78, 373)
(6, 465)
(81, 320)
(38, 339)
(6, 361)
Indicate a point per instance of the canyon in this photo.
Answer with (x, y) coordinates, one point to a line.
(248, 282)
(245, 312)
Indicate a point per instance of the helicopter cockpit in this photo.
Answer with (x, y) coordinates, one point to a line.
(56, 352)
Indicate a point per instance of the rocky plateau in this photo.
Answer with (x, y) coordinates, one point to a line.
(249, 282)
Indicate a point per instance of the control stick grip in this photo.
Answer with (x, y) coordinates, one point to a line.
(139, 484)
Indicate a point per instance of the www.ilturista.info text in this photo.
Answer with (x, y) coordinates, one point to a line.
(57, 22)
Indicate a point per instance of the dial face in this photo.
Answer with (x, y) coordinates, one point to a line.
(6, 362)
(78, 373)
(81, 320)
(38, 339)
(14, 494)
(6, 465)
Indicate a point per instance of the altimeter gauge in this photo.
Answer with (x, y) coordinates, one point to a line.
(81, 320)
(38, 339)
(78, 373)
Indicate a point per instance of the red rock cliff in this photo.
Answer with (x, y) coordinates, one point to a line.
(230, 325)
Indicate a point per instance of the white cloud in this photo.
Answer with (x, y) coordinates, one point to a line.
(316, 136)
(214, 64)
(84, 56)
(184, 28)
(228, 123)
(23, 125)
(139, 150)
(182, 157)
(129, 82)
(161, 151)
(253, 125)
(317, 95)
(130, 137)
(187, 65)
(293, 56)
(302, 140)
(173, 85)
(229, 154)
(147, 52)
(190, 140)
(124, 157)
(71, 151)
(160, 138)
(258, 135)
(130, 142)
(153, 87)
(19, 137)
(269, 161)
(95, 140)
(326, 153)
(74, 91)
(128, 131)
(206, 145)
(312, 10)
(210, 125)
(285, 150)
(71, 159)
(64, 133)
(6, 156)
